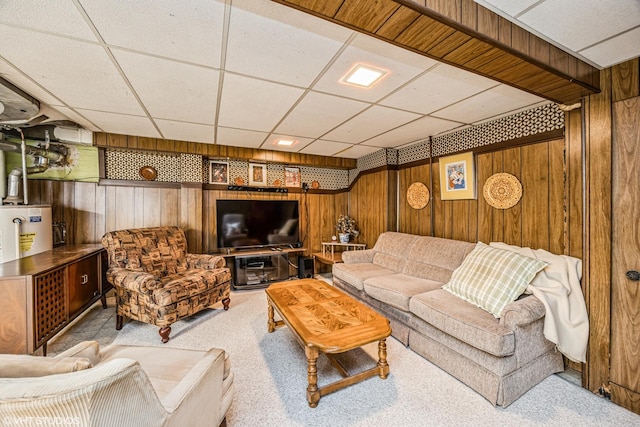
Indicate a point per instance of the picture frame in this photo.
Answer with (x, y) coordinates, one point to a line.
(292, 177)
(257, 174)
(218, 172)
(457, 177)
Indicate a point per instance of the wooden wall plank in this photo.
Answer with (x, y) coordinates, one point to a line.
(140, 207)
(573, 139)
(484, 217)
(626, 80)
(598, 228)
(512, 225)
(534, 205)
(557, 191)
(84, 206)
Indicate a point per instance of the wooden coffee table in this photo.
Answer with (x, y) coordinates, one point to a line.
(325, 319)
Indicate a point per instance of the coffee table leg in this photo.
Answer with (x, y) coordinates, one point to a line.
(271, 325)
(313, 395)
(382, 359)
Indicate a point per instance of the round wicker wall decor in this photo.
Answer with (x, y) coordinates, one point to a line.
(502, 190)
(418, 195)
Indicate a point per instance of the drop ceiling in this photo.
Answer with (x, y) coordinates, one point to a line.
(248, 72)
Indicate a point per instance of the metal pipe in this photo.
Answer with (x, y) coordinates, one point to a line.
(23, 147)
(16, 227)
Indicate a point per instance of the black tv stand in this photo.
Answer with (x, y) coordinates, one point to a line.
(258, 268)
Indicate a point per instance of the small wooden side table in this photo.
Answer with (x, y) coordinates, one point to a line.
(330, 256)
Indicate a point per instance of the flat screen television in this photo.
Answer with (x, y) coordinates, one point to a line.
(257, 223)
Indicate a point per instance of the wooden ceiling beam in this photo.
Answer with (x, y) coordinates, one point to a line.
(468, 36)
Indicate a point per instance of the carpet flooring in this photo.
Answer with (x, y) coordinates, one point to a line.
(270, 381)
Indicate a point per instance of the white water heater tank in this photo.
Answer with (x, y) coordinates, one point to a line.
(24, 231)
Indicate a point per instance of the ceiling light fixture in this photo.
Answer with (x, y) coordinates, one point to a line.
(363, 76)
(286, 142)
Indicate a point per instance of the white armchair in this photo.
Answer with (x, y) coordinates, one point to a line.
(119, 385)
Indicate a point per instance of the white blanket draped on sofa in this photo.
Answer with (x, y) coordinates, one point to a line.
(558, 287)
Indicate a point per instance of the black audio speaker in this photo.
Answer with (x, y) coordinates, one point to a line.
(305, 267)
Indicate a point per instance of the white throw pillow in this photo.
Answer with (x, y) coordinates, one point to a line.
(491, 278)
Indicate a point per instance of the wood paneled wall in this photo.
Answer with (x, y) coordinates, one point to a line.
(538, 220)
(372, 204)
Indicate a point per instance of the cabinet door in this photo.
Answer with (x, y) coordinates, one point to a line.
(84, 283)
(50, 304)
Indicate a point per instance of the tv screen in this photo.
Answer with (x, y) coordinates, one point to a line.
(255, 223)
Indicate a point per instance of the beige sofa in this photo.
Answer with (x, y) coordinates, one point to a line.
(402, 277)
(117, 386)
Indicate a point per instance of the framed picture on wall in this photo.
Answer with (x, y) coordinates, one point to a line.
(292, 177)
(257, 174)
(218, 172)
(457, 177)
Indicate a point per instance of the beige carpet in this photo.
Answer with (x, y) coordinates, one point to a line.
(270, 380)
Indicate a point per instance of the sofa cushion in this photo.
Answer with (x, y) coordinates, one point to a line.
(491, 278)
(19, 366)
(356, 274)
(397, 289)
(435, 258)
(463, 321)
(391, 250)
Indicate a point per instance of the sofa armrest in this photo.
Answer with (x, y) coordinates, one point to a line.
(208, 262)
(522, 312)
(137, 281)
(358, 256)
(200, 388)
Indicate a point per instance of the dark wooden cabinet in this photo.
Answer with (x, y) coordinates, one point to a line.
(83, 283)
(43, 293)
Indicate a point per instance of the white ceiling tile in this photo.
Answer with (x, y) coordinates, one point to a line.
(318, 113)
(401, 64)
(577, 24)
(511, 7)
(187, 31)
(186, 131)
(122, 124)
(55, 16)
(437, 88)
(411, 132)
(493, 102)
(370, 123)
(240, 137)
(189, 93)
(325, 148)
(279, 43)
(271, 143)
(615, 50)
(78, 73)
(254, 104)
(357, 151)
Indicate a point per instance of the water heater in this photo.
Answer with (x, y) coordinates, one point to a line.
(24, 231)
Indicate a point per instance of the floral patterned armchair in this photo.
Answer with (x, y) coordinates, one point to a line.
(157, 281)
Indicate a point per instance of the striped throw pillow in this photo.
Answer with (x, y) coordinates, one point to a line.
(491, 278)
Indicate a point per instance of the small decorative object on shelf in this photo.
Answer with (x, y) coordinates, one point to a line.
(346, 227)
(148, 172)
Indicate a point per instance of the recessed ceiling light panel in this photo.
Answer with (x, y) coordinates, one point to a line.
(286, 142)
(363, 76)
